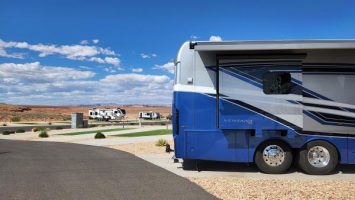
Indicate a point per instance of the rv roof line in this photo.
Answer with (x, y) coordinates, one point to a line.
(192, 45)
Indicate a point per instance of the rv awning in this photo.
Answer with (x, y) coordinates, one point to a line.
(272, 45)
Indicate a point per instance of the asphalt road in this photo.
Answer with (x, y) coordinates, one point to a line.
(48, 170)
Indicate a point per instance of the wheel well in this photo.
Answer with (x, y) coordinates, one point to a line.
(331, 143)
(274, 139)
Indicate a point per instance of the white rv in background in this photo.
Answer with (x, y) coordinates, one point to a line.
(149, 115)
(107, 114)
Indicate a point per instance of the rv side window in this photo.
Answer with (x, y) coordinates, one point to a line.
(277, 83)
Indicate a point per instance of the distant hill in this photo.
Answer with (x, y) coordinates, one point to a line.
(62, 113)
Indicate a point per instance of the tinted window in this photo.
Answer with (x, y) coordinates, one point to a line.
(277, 83)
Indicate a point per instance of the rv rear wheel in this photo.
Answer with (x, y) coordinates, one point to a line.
(273, 157)
(318, 158)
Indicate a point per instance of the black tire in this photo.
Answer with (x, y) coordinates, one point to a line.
(307, 167)
(265, 167)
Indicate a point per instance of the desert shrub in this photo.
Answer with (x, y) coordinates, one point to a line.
(8, 132)
(15, 119)
(58, 128)
(99, 135)
(161, 143)
(43, 134)
(49, 123)
(35, 129)
(169, 117)
(20, 131)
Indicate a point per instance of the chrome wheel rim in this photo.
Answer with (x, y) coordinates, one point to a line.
(318, 156)
(274, 155)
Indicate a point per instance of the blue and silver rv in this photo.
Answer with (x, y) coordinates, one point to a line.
(268, 102)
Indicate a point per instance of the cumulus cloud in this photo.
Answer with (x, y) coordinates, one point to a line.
(215, 38)
(95, 41)
(84, 42)
(35, 72)
(169, 67)
(34, 83)
(137, 70)
(146, 56)
(194, 37)
(81, 52)
(4, 53)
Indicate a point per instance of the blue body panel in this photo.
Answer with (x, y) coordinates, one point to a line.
(198, 138)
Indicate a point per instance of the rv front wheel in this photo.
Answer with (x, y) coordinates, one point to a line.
(318, 158)
(273, 157)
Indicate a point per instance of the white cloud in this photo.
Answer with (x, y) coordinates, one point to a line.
(194, 37)
(112, 60)
(169, 67)
(137, 70)
(84, 42)
(33, 83)
(73, 52)
(35, 72)
(95, 41)
(215, 38)
(4, 53)
(146, 56)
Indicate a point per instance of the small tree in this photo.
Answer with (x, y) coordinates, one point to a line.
(99, 135)
(43, 134)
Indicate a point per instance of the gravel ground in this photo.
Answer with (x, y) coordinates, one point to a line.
(142, 148)
(262, 187)
(242, 188)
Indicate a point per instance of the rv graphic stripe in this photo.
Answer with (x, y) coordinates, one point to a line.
(267, 114)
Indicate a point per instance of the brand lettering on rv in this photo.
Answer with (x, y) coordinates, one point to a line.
(239, 121)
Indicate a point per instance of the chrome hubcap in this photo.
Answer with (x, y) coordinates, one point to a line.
(318, 156)
(274, 155)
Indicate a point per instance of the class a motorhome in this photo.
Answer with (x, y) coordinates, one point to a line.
(149, 115)
(268, 102)
(107, 114)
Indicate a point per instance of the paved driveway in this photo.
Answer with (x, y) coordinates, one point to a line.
(48, 170)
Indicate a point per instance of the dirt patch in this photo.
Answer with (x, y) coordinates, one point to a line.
(143, 148)
(242, 188)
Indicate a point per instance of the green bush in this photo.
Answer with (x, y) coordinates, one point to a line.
(35, 129)
(99, 135)
(161, 143)
(20, 131)
(8, 132)
(43, 134)
(15, 119)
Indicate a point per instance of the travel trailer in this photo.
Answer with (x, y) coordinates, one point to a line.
(149, 115)
(107, 114)
(268, 102)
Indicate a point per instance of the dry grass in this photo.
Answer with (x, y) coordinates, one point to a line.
(242, 188)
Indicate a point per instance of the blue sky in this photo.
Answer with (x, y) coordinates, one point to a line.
(86, 52)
